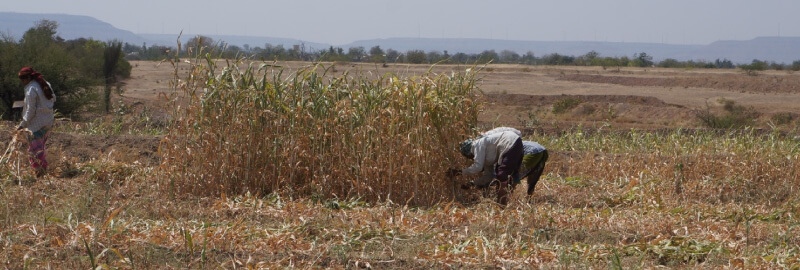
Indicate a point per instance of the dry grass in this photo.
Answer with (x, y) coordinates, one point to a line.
(252, 127)
(14, 164)
(608, 199)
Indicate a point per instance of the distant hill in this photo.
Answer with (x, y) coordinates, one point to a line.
(69, 27)
(774, 49)
(778, 49)
(74, 26)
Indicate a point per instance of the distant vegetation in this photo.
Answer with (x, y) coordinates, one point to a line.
(376, 54)
(73, 67)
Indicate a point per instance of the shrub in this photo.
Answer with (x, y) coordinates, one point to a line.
(265, 130)
(753, 68)
(735, 116)
(586, 109)
(565, 105)
(783, 118)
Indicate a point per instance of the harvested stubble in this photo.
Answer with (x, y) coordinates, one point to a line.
(738, 166)
(607, 201)
(13, 163)
(264, 129)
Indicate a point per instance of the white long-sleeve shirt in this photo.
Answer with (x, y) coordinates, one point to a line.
(490, 147)
(38, 110)
(502, 129)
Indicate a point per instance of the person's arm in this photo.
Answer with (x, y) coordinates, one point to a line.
(30, 107)
(479, 149)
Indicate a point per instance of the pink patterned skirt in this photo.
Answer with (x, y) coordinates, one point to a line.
(36, 142)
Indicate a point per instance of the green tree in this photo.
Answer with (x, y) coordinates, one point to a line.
(415, 56)
(671, 63)
(642, 60)
(623, 61)
(558, 59)
(776, 66)
(356, 53)
(41, 49)
(434, 56)
(724, 63)
(377, 55)
(509, 56)
(392, 55)
(86, 51)
(587, 59)
(461, 58)
(529, 58)
(488, 56)
(10, 63)
(111, 56)
(200, 42)
(754, 67)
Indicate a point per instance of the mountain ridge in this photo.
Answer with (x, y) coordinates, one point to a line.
(70, 26)
(773, 49)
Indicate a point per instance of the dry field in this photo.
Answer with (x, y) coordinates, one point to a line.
(518, 94)
(634, 181)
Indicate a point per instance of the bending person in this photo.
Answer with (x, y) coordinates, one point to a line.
(498, 154)
(533, 162)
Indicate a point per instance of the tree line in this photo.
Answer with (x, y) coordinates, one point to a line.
(376, 54)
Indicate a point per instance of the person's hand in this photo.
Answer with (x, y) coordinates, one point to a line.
(453, 172)
(468, 186)
(503, 194)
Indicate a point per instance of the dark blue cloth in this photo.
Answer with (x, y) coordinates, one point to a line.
(510, 161)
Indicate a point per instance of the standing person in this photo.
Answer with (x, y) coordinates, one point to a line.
(498, 154)
(37, 116)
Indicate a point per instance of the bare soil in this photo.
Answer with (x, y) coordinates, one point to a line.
(765, 83)
(682, 93)
(69, 148)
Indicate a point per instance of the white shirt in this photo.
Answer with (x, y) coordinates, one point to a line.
(490, 147)
(38, 110)
(501, 129)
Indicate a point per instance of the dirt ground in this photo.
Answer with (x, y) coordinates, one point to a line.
(591, 204)
(521, 95)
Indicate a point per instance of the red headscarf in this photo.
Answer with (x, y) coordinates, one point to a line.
(36, 76)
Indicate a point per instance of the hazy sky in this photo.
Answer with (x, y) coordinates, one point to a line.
(341, 22)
